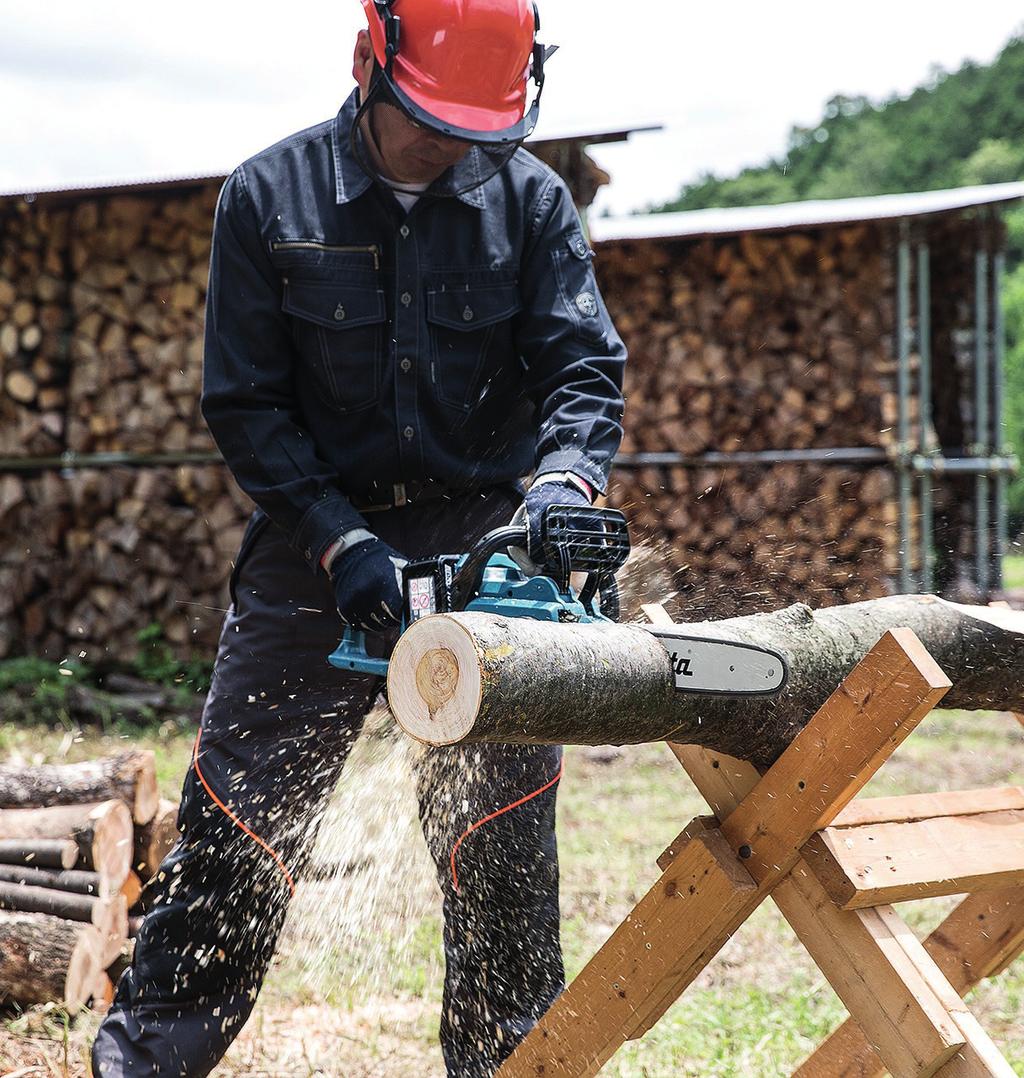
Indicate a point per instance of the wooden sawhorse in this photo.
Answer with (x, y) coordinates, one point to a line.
(793, 833)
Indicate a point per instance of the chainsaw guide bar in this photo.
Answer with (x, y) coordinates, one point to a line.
(722, 667)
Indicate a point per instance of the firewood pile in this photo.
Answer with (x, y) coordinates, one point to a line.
(33, 318)
(760, 342)
(77, 842)
(140, 268)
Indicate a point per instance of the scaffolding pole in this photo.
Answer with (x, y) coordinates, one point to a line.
(998, 418)
(982, 544)
(903, 405)
(924, 347)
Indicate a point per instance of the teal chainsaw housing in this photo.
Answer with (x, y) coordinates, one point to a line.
(504, 589)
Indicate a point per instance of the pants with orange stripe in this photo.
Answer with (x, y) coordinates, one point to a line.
(277, 727)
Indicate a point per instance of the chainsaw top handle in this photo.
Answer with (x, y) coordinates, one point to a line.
(575, 539)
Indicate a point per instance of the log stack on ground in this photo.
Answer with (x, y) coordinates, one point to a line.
(71, 868)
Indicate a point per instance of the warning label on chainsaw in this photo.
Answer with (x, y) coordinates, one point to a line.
(421, 597)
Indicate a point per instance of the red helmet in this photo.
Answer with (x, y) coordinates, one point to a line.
(461, 67)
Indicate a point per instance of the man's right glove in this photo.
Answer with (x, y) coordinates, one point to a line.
(367, 581)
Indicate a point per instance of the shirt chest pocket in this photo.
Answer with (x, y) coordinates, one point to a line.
(339, 331)
(470, 335)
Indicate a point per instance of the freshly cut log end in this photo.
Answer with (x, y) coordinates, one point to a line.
(438, 682)
(153, 841)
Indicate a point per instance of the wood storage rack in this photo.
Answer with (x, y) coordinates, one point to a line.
(795, 833)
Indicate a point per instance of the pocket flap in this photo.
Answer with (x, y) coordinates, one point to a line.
(474, 307)
(333, 305)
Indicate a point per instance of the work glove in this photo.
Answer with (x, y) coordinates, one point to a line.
(367, 579)
(546, 491)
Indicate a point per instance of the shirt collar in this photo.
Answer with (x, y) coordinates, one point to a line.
(350, 181)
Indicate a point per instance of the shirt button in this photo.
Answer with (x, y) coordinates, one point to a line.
(409, 434)
(406, 298)
(406, 365)
(467, 315)
(404, 232)
(339, 313)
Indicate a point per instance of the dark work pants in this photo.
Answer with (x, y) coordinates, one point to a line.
(277, 727)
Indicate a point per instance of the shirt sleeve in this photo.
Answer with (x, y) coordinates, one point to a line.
(574, 357)
(248, 400)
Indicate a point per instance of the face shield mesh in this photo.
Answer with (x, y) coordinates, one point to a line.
(481, 162)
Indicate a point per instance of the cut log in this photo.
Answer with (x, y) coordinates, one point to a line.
(46, 959)
(39, 853)
(128, 776)
(131, 889)
(74, 881)
(154, 841)
(480, 677)
(103, 833)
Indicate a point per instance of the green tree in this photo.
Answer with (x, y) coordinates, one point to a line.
(1013, 305)
(996, 160)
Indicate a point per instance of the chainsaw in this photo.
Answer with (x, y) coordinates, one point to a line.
(574, 539)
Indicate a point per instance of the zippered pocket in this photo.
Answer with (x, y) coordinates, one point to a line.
(373, 250)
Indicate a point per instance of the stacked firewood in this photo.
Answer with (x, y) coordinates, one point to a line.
(77, 842)
(150, 546)
(140, 268)
(753, 343)
(33, 318)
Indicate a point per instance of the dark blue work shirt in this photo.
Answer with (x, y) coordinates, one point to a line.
(350, 346)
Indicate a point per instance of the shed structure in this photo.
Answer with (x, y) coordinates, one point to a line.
(814, 395)
(766, 441)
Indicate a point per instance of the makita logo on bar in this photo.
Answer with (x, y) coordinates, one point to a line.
(681, 665)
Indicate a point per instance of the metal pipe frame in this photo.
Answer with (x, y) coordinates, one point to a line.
(903, 405)
(924, 347)
(999, 418)
(982, 544)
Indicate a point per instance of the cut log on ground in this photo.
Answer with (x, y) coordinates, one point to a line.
(480, 677)
(128, 776)
(153, 842)
(73, 881)
(103, 834)
(43, 959)
(108, 915)
(39, 852)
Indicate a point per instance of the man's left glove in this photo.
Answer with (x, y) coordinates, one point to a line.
(546, 491)
(367, 579)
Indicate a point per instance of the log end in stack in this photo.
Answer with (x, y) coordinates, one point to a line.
(76, 843)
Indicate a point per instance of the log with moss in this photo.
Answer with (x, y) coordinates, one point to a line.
(481, 677)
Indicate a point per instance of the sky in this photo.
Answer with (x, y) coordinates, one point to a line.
(112, 90)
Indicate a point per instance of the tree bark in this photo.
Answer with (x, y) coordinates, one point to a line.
(73, 881)
(39, 852)
(102, 832)
(45, 959)
(128, 776)
(479, 677)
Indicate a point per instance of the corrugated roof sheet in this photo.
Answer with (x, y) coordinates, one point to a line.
(791, 215)
(97, 185)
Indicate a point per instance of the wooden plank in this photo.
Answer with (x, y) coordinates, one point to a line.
(910, 807)
(862, 956)
(652, 956)
(667, 933)
(979, 939)
(877, 864)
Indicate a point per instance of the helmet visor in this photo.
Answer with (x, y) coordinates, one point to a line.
(483, 159)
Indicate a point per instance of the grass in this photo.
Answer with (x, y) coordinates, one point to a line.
(355, 990)
(1013, 570)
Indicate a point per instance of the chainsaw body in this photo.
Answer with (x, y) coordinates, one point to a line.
(486, 580)
(576, 540)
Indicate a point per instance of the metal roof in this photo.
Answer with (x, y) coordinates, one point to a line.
(100, 185)
(791, 215)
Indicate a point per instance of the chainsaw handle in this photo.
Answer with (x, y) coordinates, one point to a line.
(467, 581)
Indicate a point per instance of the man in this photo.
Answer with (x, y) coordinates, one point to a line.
(402, 320)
